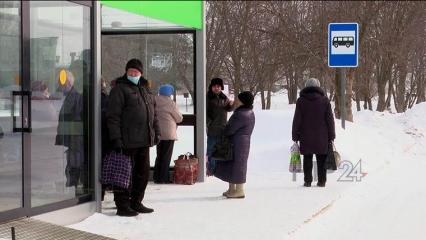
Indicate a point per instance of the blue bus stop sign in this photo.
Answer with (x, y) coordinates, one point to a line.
(343, 44)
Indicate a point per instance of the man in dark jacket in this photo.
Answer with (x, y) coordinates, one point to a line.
(133, 129)
(218, 106)
(313, 126)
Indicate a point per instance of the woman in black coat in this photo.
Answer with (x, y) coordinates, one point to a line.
(239, 129)
(313, 126)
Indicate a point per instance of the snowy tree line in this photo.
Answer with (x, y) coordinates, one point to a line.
(258, 45)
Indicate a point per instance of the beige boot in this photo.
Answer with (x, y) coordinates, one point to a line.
(238, 193)
(230, 189)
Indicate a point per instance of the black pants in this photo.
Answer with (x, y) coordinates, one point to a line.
(140, 174)
(307, 167)
(162, 162)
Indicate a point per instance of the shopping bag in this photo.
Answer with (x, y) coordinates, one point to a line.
(333, 158)
(295, 165)
(222, 150)
(117, 170)
(186, 169)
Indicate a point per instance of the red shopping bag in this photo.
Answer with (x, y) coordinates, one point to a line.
(186, 169)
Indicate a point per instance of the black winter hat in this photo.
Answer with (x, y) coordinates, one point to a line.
(136, 64)
(246, 98)
(216, 81)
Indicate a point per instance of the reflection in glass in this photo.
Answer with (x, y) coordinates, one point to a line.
(167, 59)
(60, 40)
(70, 133)
(10, 142)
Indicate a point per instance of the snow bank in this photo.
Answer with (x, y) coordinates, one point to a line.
(386, 204)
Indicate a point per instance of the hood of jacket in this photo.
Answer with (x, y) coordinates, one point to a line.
(312, 93)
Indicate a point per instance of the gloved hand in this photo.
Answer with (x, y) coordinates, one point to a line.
(156, 140)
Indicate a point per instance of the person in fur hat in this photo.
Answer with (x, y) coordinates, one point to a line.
(218, 106)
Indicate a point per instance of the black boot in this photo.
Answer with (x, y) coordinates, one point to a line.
(307, 184)
(126, 212)
(140, 208)
(321, 184)
(122, 201)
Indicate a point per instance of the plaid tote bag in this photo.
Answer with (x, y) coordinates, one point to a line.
(117, 170)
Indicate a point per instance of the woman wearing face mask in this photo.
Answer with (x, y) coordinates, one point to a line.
(133, 129)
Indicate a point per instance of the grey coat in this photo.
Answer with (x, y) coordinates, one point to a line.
(239, 129)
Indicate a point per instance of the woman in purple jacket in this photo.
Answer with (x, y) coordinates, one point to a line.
(313, 126)
(239, 129)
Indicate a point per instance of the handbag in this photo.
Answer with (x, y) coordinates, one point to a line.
(333, 158)
(295, 165)
(186, 169)
(223, 150)
(117, 170)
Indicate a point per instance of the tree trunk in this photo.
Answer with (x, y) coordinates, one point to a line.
(358, 102)
(421, 87)
(365, 103)
(400, 104)
(291, 88)
(382, 78)
(268, 100)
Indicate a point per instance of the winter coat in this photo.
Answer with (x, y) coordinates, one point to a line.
(70, 122)
(70, 132)
(239, 130)
(218, 107)
(313, 122)
(131, 116)
(168, 115)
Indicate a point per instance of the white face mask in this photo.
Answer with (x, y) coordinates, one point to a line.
(134, 80)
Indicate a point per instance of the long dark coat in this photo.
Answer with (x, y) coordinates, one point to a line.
(239, 129)
(131, 118)
(313, 122)
(70, 134)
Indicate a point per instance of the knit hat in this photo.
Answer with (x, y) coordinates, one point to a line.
(136, 64)
(166, 90)
(312, 82)
(216, 81)
(246, 98)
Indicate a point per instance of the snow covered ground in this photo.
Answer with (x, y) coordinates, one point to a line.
(386, 203)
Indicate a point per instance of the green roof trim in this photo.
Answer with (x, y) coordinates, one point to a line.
(183, 13)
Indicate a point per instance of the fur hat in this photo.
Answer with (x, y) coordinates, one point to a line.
(216, 81)
(136, 64)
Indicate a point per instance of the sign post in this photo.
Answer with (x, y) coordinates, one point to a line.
(342, 53)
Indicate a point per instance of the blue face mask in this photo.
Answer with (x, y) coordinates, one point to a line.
(134, 80)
